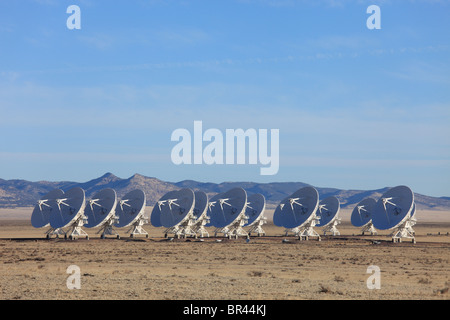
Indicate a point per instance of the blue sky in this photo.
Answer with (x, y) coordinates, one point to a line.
(356, 108)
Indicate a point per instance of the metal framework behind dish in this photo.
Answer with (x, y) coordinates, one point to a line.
(184, 229)
(235, 229)
(329, 205)
(362, 210)
(257, 226)
(191, 227)
(201, 212)
(255, 206)
(369, 228)
(306, 230)
(107, 228)
(332, 227)
(137, 227)
(405, 230)
(199, 226)
(77, 231)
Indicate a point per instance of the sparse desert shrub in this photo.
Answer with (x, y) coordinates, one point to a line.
(324, 289)
(441, 291)
(255, 274)
(424, 281)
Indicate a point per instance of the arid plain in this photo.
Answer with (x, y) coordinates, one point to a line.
(263, 268)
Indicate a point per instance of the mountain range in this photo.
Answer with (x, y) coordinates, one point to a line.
(22, 193)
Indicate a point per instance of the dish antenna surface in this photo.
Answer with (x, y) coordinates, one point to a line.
(394, 211)
(362, 215)
(255, 212)
(227, 212)
(68, 211)
(328, 212)
(130, 211)
(101, 212)
(174, 211)
(40, 218)
(297, 213)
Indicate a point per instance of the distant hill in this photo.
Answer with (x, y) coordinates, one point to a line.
(277, 191)
(20, 193)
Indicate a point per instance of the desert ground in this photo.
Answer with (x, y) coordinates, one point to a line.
(272, 267)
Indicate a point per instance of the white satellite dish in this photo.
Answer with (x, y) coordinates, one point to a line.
(130, 210)
(393, 211)
(255, 212)
(155, 216)
(362, 216)
(176, 206)
(174, 211)
(68, 211)
(227, 212)
(201, 213)
(328, 212)
(40, 218)
(100, 212)
(297, 213)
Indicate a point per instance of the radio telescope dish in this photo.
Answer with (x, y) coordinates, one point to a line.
(130, 211)
(362, 215)
(100, 207)
(175, 212)
(176, 206)
(155, 216)
(393, 211)
(100, 212)
(201, 204)
(68, 211)
(200, 213)
(297, 213)
(255, 213)
(328, 212)
(393, 208)
(40, 218)
(42, 210)
(227, 212)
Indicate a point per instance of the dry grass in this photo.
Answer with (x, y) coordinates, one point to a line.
(265, 268)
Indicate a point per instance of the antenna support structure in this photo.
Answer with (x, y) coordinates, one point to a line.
(306, 230)
(331, 228)
(136, 227)
(404, 230)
